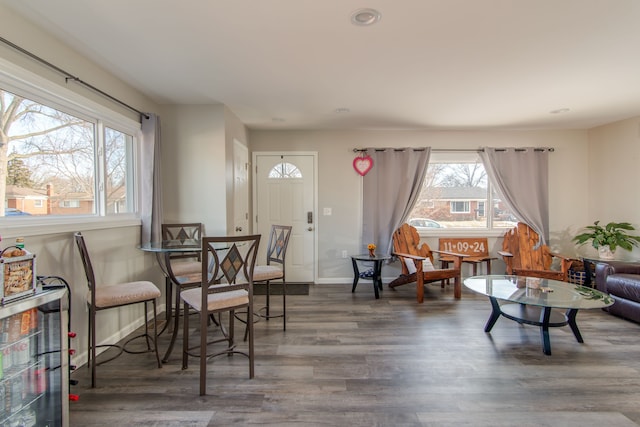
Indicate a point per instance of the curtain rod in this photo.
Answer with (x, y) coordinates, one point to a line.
(68, 76)
(462, 150)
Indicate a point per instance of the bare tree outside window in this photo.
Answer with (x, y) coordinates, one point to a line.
(49, 163)
(456, 193)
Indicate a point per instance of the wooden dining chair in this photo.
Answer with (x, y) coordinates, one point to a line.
(227, 269)
(182, 269)
(107, 296)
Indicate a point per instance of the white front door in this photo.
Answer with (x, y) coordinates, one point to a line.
(240, 188)
(284, 194)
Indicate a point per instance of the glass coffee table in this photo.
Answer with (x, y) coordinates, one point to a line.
(538, 302)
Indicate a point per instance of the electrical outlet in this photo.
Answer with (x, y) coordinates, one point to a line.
(344, 254)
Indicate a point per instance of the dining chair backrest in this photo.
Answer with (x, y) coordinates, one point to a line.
(86, 263)
(278, 243)
(229, 260)
(185, 231)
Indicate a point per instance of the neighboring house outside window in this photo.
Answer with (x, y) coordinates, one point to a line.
(456, 193)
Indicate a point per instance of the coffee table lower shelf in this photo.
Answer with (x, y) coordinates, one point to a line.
(545, 317)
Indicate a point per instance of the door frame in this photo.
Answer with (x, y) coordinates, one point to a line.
(254, 201)
(239, 145)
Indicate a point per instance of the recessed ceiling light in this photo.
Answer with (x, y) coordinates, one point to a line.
(365, 17)
(342, 110)
(560, 111)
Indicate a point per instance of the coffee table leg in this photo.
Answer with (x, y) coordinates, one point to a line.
(545, 314)
(495, 314)
(571, 319)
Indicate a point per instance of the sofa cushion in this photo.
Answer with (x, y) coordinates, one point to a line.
(625, 286)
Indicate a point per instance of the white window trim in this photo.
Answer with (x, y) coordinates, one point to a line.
(490, 231)
(14, 77)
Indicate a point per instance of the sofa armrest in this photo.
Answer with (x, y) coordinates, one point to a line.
(603, 270)
(618, 267)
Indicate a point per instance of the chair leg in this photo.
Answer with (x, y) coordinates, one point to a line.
(147, 338)
(155, 332)
(89, 338)
(251, 354)
(268, 295)
(231, 335)
(185, 336)
(92, 356)
(246, 328)
(284, 305)
(204, 320)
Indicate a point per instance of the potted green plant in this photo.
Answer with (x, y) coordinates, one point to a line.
(608, 238)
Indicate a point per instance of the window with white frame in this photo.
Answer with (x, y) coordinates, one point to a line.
(61, 160)
(457, 194)
(459, 206)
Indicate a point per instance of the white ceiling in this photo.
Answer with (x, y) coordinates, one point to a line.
(428, 64)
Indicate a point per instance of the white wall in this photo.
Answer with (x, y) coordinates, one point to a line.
(194, 166)
(614, 160)
(339, 186)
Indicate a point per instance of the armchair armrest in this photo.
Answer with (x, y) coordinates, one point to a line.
(449, 253)
(414, 257)
(417, 262)
(562, 257)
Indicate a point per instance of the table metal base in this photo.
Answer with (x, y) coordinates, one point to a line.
(544, 317)
(376, 278)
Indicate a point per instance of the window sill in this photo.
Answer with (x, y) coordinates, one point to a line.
(14, 227)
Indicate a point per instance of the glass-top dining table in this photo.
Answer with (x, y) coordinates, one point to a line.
(170, 246)
(164, 250)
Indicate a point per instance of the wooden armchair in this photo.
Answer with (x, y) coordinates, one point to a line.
(414, 256)
(523, 258)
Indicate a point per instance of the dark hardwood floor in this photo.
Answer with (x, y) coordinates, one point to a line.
(350, 360)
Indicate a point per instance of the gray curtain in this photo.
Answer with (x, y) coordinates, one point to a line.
(522, 179)
(390, 190)
(151, 183)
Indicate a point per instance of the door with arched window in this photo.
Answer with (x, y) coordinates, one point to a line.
(284, 194)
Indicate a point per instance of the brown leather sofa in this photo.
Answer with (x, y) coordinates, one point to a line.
(621, 280)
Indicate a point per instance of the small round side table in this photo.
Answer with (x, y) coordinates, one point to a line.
(377, 271)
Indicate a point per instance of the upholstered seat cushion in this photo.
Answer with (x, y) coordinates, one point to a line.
(186, 268)
(124, 293)
(262, 273)
(625, 286)
(216, 301)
